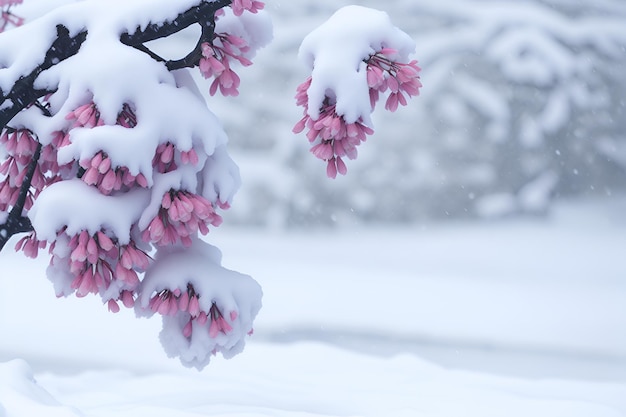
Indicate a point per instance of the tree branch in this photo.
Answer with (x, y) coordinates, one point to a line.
(16, 222)
(193, 57)
(23, 93)
(203, 14)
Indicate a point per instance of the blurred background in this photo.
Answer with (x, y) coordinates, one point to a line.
(523, 105)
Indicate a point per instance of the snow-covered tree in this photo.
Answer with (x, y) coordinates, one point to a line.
(113, 161)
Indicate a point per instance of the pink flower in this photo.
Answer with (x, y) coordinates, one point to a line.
(331, 137)
(97, 260)
(215, 62)
(169, 302)
(323, 150)
(163, 160)
(188, 329)
(165, 303)
(181, 215)
(30, 245)
(127, 298)
(384, 73)
(166, 157)
(86, 115)
(113, 307)
(239, 6)
(217, 322)
(189, 157)
(100, 172)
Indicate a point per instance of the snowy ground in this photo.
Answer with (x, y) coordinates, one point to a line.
(515, 318)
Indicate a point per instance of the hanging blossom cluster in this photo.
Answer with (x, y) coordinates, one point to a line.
(181, 216)
(206, 308)
(215, 62)
(166, 155)
(98, 264)
(400, 79)
(171, 302)
(332, 138)
(8, 18)
(20, 146)
(225, 48)
(99, 169)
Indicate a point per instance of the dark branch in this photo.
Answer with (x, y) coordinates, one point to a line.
(193, 57)
(23, 93)
(203, 14)
(16, 222)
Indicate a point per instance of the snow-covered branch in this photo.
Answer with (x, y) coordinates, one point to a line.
(23, 93)
(113, 160)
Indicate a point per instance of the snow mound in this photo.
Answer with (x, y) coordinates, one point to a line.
(20, 395)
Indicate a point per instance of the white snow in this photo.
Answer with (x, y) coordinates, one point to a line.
(516, 318)
(74, 204)
(335, 52)
(175, 268)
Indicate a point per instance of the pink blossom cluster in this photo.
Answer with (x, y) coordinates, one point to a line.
(20, 146)
(97, 262)
(86, 115)
(100, 172)
(215, 62)
(181, 215)
(30, 245)
(170, 302)
(252, 6)
(127, 297)
(166, 154)
(48, 162)
(383, 73)
(331, 136)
